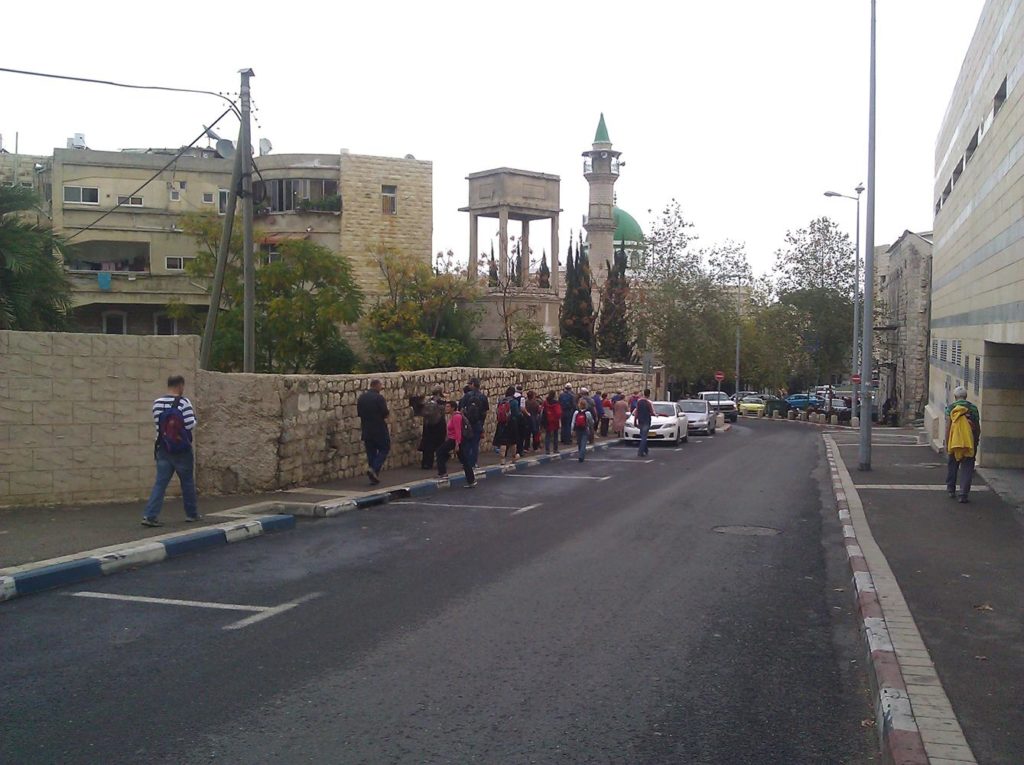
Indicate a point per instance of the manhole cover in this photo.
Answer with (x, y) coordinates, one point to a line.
(747, 531)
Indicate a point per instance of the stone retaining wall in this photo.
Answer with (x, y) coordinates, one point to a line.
(262, 432)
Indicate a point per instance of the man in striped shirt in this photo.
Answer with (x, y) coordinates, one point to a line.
(176, 459)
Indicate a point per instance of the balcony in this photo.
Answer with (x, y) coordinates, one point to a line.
(135, 288)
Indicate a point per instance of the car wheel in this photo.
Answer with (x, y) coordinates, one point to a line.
(686, 438)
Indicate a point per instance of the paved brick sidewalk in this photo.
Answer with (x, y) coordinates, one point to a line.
(960, 569)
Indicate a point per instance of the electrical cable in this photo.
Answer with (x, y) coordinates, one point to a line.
(234, 106)
(152, 178)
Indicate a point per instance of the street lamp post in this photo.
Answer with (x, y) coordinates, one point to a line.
(864, 453)
(739, 319)
(856, 294)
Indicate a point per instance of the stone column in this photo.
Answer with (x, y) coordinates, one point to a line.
(524, 256)
(503, 242)
(554, 253)
(473, 247)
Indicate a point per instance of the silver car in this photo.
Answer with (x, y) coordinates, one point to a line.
(700, 417)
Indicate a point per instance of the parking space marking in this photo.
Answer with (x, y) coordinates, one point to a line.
(468, 507)
(526, 509)
(259, 613)
(566, 477)
(911, 486)
(626, 461)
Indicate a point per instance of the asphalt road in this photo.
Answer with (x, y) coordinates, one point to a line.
(569, 614)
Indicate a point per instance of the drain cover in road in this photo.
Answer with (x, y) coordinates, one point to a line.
(747, 531)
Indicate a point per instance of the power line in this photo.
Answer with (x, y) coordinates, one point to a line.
(155, 175)
(234, 106)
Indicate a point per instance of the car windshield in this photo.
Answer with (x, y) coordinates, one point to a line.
(665, 410)
(715, 396)
(752, 400)
(693, 406)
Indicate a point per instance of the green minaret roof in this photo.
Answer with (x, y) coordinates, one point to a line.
(601, 136)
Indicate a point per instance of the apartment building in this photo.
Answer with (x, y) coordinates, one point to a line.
(121, 212)
(977, 314)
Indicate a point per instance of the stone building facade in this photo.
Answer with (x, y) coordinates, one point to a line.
(903, 304)
(977, 314)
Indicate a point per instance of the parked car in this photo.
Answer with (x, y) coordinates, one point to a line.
(803, 401)
(775, 404)
(751, 405)
(669, 423)
(720, 402)
(740, 395)
(700, 417)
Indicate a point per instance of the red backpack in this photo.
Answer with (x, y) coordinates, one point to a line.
(504, 411)
(581, 420)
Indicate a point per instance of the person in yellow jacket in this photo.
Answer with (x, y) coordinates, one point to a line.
(963, 430)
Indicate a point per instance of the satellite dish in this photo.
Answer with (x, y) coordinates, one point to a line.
(225, 148)
(265, 146)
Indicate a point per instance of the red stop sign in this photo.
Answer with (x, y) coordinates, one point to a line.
(719, 376)
(856, 379)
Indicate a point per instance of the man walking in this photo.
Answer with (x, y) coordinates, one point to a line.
(643, 413)
(474, 406)
(373, 414)
(175, 420)
(963, 430)
(568, 403)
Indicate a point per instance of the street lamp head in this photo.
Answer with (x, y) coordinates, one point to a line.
(832, 194)
(859, 189)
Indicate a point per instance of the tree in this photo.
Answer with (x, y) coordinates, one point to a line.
(577, 320)
(544, 273)
(302, 298)
(613, 332)
(422, 319)
(569, 298)
(536, 349)
(35, 294)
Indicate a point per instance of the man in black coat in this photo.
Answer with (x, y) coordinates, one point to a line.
(373, 413)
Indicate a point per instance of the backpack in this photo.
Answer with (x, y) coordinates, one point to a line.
(467, 429)
(504, 411)
(172, 434)
(472, 409)
(432, 413)
(581, 420)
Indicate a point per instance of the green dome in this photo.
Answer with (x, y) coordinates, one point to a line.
(626, 228)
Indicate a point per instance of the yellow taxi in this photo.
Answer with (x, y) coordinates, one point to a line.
(753, 405)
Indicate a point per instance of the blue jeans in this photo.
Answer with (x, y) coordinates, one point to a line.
(166, 466)
(377, 452)
(645, 428)
(471, 447)
(582, 435)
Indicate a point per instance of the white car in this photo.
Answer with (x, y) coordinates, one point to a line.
(701, 418)
(669, 423)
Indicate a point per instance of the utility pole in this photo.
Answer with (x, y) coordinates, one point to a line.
(856, 308)
(869, 274)
(739, 318)
(248, 267)
(222, 259)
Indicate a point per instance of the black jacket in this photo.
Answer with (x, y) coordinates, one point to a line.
(373, 412)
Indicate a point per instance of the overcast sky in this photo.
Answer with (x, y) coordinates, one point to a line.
(743, 110)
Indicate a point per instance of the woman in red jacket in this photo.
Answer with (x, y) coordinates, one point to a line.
(552, 422)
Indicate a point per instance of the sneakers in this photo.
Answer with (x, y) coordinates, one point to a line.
(153, 522)
(471, 485)
(442, 477)
(963, 499)
(952, 494)
(374, 478)
(193, 518)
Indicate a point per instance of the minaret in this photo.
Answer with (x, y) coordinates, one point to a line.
(601, 169)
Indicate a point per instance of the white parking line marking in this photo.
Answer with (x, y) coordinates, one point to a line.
(624, 461)
(568, 477)
(472, 507)
(259, 612)
(273, 611)
(911, 486)
(526, 509)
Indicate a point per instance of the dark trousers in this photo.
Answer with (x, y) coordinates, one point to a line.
(471, 448)
(965, 468)
(444, 451)
(567, 428)
(377, 452)
(433, 437)
(604, 426)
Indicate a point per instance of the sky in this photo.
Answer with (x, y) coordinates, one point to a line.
(744, 111)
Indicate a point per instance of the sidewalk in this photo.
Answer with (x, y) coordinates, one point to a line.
(29, 534)
(960, 569)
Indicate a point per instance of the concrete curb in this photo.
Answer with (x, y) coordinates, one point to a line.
(815, 424)
(45, 575)
(899, 736)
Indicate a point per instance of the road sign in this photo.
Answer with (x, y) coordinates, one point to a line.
(856, 379)
(719, 376)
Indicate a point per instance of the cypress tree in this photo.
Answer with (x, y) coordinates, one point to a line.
(565, 322)
(584, 306)
(613, 333)
(492, 271)
(544, 273)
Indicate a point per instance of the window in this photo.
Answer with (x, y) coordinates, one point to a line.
(977, 374)
(26, 184)
(181, 185)
(967, 371)
(269, 253)
(935, 349)
(1000, 98)
(174, 263)
(175, 195)
(207, 197)
(972, 146)
(389, 200)
(956, 359)
(943, 350)
(164, 324)
(222, 201)
(115, 323)
(129, 201)
(287, 194)
(82, 195)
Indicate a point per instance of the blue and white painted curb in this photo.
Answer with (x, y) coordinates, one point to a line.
(61, 572)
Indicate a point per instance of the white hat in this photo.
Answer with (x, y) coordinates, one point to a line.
(568, 386)
(960, 392)
(584, 390)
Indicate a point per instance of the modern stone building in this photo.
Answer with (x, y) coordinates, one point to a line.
(977, 310)
(121, 211)
(903, 309)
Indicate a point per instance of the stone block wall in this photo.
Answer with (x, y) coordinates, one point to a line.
(264, 432)
(75, 413)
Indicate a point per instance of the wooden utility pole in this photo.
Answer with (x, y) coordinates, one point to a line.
(248, 267)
